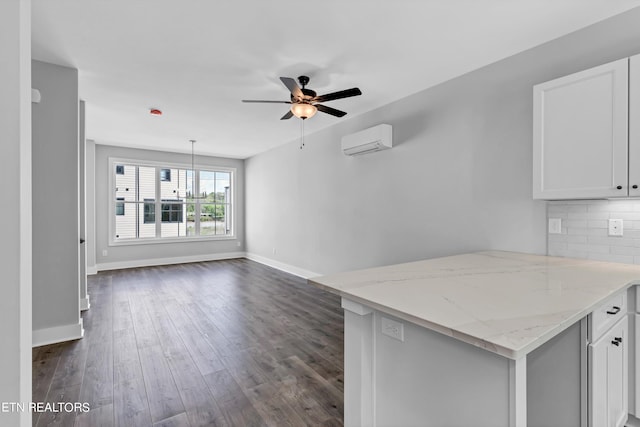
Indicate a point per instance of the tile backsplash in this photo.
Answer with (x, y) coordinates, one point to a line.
(585, 230)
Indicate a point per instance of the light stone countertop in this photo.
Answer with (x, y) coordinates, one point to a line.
(505, 302)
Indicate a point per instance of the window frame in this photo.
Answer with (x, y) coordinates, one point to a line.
(158, 239)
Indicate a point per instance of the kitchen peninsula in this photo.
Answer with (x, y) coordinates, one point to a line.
(488, 339)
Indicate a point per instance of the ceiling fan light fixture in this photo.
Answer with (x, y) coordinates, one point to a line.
(305, 103)
(303, 111)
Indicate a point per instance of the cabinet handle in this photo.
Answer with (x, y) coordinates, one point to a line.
(619, 187)
(616, 343)
(634, 186)
(618, 339)
(615, 310)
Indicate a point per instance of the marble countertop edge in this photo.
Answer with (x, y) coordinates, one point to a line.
(502, 350)
(498, 343)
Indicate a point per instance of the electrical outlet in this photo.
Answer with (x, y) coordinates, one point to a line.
(615, 227)
(275, 251)
(555, 225)
(104, 252)
(393, 329)
(238, 244)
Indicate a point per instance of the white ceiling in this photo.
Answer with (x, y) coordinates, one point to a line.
(196, 59)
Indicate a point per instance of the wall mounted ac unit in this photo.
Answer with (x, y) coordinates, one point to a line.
(367, 141)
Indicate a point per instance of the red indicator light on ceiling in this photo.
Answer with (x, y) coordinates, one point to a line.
(155, 112)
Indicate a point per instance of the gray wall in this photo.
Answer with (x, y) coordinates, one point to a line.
(458, 179)
(138, 254)
(55, 197)
(15, 244)
(90, 204)
(82, 154)
(441, 382)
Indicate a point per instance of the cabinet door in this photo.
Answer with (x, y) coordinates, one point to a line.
(580, 141)
(634, 126)
(608, 382)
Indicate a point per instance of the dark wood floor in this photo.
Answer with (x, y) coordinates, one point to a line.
(224, 343)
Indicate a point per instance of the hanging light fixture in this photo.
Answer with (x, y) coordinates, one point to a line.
(303, 110)
(190, 195)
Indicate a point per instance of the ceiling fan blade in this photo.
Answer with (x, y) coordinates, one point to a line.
(268, 102)
(330, 110)
(293, 87)
(288, 115)
(338, 95)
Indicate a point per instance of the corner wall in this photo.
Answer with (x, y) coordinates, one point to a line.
(123, 256)
(56, 198)
(15, 245)
(457, 180)
(90, 205)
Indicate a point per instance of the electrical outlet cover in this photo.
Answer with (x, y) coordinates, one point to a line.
(393, 329)
(555, 225)
(615, 227)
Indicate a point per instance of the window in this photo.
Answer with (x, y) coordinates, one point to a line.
(172, 212)
(214, 186)
(165, 175)
(161, 201)
(120, 206)
(149, 211)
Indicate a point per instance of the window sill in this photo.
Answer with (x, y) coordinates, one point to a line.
(160, 241)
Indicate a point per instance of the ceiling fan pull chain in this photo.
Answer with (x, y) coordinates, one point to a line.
(301, 134)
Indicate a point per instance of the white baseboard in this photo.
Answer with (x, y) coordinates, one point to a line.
(85, 304)
(287, 268)
(632, 422)
(91, 270)
(166, 261)
(57, 334)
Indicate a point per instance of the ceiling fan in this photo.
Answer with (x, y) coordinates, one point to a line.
(305, 102)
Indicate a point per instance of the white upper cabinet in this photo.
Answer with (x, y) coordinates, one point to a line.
(580, 134)
(634, 126)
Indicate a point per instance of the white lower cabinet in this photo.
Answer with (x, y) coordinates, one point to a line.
(608, 377)
(634, 354)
